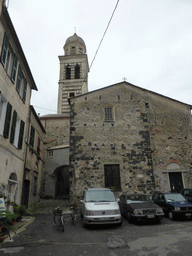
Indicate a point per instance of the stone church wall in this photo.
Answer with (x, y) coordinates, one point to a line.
(148, 133)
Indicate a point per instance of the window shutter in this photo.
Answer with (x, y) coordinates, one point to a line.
(32, 136)
(7, 121)
(21, 132)
(14, 69)
(13, 126)
(19, 79)
(4, 49)
(24, 90)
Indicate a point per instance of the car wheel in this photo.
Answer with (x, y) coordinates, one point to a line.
(129, 217)
(171, 216)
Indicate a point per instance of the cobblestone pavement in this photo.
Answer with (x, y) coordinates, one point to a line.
(42, 237)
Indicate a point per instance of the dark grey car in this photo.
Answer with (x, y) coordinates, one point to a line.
(139, 207)
(187, 193)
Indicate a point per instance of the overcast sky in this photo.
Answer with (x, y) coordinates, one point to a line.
(149, 42)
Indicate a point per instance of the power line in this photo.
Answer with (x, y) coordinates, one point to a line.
(45, 108)
(104, 33)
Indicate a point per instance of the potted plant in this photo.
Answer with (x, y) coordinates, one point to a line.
(8, 217)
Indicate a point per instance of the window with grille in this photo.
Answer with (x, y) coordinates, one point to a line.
(71, 94)
(108, 114)
(112, 176)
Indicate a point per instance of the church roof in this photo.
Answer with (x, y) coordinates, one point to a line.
(74, 38)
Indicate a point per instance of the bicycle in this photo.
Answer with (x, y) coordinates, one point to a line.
(58, 218)
(73, 209)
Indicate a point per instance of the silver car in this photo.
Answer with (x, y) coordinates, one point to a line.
(99, 206)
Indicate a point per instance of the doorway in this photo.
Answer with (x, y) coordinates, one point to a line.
(176, 181)
(62, 183)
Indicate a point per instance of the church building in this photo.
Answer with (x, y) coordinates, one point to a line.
(121, 136)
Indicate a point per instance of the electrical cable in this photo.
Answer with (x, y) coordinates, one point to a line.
(104, 33)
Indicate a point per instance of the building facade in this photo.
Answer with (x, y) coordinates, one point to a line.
(130, 139)
(33, 164)
(16, 115)
(56, 155)
(73, 81)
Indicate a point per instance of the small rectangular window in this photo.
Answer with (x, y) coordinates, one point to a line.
(108, 114)
(50, 153)
(71, 94)
(146, 105)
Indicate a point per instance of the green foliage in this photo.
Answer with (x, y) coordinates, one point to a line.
(20, 209)
(8, 217)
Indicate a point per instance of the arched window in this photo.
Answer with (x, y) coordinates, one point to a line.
(12, 186)
(77, 71)
(68, 72)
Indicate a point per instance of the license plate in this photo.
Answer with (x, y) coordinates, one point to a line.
(150, 216)
(103, 218)
(187, 214)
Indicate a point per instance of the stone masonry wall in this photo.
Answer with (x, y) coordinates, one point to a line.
(148, 130)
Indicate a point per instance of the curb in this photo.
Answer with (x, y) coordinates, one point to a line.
(18, 227)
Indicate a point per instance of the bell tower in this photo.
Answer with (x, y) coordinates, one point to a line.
(74, 68)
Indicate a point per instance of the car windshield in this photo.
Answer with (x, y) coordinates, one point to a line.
(99, 196)
(137, 199)
(174, 197)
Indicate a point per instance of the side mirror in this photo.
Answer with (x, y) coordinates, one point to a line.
(81, 201)
(118, 200)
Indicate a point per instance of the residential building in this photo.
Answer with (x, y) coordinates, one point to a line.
(16, 115)
(33, 163)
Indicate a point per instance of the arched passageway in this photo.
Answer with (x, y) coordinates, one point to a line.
(62, 182)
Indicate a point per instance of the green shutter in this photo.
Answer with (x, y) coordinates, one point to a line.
(14, 69)
(21, 132)
(7, 121)
(19, 75)
(24, 90)
(13, 126)
(32, 136)
(4, 49)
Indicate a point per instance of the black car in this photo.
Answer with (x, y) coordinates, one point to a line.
(187, 193)
(173, 204)
(140, 208)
